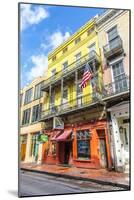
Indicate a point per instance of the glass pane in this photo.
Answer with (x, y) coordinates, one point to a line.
(83, 149)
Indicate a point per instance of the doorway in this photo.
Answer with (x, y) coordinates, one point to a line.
(125, 145)
(102, 148)
(65, 150)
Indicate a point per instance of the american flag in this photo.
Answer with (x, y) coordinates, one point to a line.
(86, 76)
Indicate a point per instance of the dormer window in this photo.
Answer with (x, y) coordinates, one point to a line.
(65, 50)
(77, 40)
(90, 31)
(54, 58)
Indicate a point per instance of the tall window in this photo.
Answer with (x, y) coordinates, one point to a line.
(65, 65)
(78, 56)
(112, 37)
(38, 93)
(92, 49)
(119, 76)
(83, 144)
(65, 94)
(28, 96)
(36, 112)
(26, 116)
(53, 72)
(112, 33)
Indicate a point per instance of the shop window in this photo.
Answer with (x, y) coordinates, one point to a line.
(83, 144)
(34, 145)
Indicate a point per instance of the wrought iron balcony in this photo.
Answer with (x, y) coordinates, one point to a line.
(114, 48)
(71, 106)
(116, 88)
(113, 89)
(91, 58)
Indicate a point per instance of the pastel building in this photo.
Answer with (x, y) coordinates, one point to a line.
(31, 101)
(113, 33)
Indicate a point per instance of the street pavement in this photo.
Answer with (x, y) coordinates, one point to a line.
(34, 184)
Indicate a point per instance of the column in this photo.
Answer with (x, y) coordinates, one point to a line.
(28, 145)
(117, 144)
(76, 81)
(61, 91)
(50, 91)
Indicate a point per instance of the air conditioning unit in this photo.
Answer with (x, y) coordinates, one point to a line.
(58, 123)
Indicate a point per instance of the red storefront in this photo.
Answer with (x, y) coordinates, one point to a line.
(83, 145)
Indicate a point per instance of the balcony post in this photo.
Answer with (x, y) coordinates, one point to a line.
(76, 82)
(61, 91)
(50, 94)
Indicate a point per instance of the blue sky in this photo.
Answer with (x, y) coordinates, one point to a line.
(42, 29)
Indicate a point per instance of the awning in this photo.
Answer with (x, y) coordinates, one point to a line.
(57, 133)
(63, 136)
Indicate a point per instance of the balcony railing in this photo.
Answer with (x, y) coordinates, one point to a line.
(112, 89)
(117, 87)
(114, 47)
(90, 57)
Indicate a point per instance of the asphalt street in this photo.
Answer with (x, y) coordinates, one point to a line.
(33, 184)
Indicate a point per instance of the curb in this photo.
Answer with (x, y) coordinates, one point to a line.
(127, 187)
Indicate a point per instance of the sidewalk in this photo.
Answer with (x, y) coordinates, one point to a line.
(96, 175)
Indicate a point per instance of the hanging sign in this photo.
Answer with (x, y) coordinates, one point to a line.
(43, 138)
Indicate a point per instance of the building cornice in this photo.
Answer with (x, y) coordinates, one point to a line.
(80, 31)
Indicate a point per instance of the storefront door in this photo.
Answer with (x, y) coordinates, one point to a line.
(125, 144)
(102, 148)
(64, 152)
(103, 160)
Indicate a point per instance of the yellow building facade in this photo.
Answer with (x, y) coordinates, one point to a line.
(65, 68)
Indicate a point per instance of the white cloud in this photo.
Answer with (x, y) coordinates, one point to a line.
(31, 16)
(55, 40)
(40, 63)
(58, 38)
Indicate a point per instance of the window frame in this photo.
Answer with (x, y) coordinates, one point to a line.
(87, 140)
(26, 116)
(110, 40)
(40, 92)
(27, 99)
(35, 115)
(53, 70)
(63, 64)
